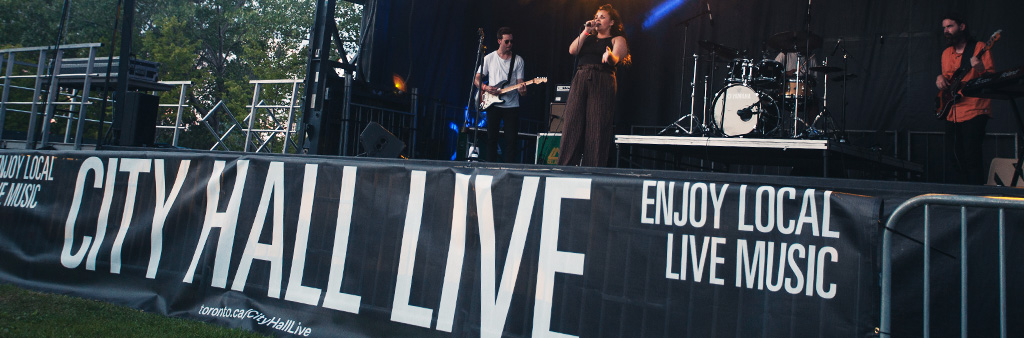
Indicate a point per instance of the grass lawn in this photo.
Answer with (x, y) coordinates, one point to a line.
(25, 313)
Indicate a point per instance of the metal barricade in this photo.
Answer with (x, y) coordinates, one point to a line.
(1001, 203)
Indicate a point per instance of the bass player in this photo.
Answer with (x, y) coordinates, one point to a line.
(966, 120)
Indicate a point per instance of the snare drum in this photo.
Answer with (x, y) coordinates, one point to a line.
(740, 110)
(740, 71)
(806, 89)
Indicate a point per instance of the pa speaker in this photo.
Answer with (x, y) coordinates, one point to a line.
(138, 121)
(555, 119)
(379, 142)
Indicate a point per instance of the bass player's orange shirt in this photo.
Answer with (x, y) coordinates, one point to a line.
(968, 107)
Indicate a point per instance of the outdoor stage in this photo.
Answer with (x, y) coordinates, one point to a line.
(818, 156)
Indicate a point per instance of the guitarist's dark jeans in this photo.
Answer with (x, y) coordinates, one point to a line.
(510, 150)
(963, 150)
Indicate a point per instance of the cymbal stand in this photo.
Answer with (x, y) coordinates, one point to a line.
(828, 125)
(800, 63)
(676, 126)
(846, 77)
(707, 80)
(798, 93)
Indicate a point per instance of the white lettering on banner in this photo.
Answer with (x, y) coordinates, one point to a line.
(133, 166)
(751, 271)
(669, 247)
(26, 168)
(162, 209)
(69, 260)
(39, 168)
(273, 188)
(688, 258)
(101, 224)
(456, 255)
(693, 200)
(769, 200)
(779, 203)
(10, 165)
(550, 261)
(494, 306)
(402, 312)
(820, 272)
(21, 195)
(800, 267)
(296, 291)
(826, 217)
(225, 221)
(277, 323)
(645, 202)
(335, 299)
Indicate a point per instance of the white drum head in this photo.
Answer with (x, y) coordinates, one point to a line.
(736, 110)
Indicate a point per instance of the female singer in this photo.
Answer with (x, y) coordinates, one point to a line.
(587, 132)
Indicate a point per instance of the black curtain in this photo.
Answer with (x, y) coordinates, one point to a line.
(893, 47)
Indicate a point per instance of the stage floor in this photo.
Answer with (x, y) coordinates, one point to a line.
(822, 157)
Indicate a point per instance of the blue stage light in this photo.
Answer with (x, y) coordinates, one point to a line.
(659, 12)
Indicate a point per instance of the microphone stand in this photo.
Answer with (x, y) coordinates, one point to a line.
(675, 125)
(473, 154)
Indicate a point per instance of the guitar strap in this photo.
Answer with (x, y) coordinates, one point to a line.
(965, 60)
(511, 66)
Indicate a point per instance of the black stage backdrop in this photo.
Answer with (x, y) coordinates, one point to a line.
(296, 245)
(894, 49)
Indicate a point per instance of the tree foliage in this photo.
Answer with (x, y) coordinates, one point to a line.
(219, 45)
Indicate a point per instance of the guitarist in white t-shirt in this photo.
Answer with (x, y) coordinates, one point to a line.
(497, 68)
(965, 118)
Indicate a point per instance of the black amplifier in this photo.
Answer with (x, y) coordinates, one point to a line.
(561, 93)
(137, 69)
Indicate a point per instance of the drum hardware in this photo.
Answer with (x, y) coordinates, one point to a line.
(843, 78)
(841, 45)
(826, 69)
(677, 126)
(721, 51)
(796, 99)
(828, 124)
(799, 42)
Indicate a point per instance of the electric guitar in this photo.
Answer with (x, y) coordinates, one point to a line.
(949, 97)
(488, 99)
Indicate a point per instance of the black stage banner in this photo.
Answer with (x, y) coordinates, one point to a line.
(310, 246)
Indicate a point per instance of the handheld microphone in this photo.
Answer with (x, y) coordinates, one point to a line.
(590, 23)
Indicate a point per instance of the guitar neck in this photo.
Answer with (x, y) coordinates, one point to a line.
(517, 86)
(961, 72)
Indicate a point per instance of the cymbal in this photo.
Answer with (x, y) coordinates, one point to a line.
(790, 41)
(846, 77)
(719, 50)
(826, 69)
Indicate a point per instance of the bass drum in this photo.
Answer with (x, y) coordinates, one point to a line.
(740, 110)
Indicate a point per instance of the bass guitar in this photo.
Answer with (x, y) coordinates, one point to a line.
(949, 97)
(488, 99)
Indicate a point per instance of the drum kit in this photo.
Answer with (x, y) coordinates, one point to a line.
(761, 97)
